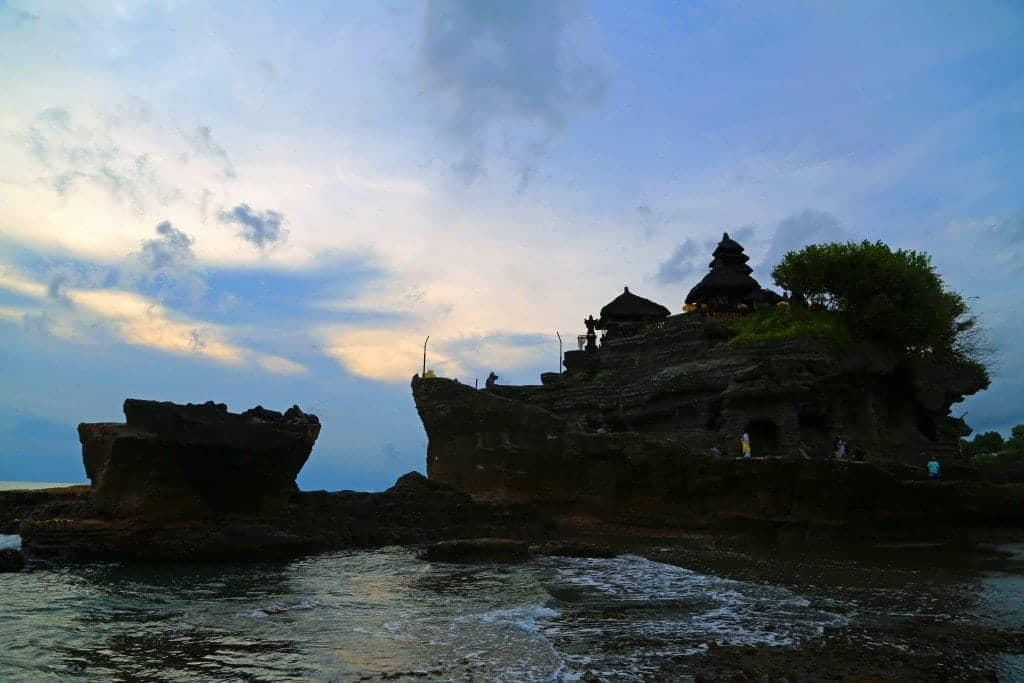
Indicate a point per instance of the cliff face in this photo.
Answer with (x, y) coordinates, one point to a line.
(625, 422)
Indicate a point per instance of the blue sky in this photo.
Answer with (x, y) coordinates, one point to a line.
(274, 203)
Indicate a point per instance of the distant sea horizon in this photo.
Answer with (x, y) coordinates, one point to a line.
(30, 485)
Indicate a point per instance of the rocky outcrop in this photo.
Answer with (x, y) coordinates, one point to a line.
(677, 386)
(646, 433)
(172, 461)
(413, 511)
(11, 560)
(475, 550)
(65, 502)
(198, 483)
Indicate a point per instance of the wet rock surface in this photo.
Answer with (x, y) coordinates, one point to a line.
(413, 511)
(474, 550)
(11, 560)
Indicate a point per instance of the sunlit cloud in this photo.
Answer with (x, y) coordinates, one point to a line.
(138, 321)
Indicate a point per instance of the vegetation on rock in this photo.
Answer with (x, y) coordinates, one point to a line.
(893, 297)
(775, 325)
(991, 448)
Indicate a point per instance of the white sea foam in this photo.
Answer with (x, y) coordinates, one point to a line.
(523, 618)
(682, 605)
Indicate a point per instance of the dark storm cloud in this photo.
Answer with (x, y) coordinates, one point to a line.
(680, 265)
(261, 229)
(507, 68)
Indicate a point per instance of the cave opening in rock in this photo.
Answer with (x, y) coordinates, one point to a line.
(764, 437)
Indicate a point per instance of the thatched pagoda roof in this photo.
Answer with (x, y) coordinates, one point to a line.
(629, 306)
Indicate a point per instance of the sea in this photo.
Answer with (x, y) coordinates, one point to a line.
(387, 615)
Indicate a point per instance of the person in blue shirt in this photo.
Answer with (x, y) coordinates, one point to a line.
(933, 468)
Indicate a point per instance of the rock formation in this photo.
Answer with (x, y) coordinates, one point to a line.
(11, 560)
(634, 431)
(197, 483)
(186, 461)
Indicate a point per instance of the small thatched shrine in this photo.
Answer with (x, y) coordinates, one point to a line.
(626, 313)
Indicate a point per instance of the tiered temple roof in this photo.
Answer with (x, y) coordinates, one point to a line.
(729, 283)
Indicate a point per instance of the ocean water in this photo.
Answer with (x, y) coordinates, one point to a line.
(362, 615)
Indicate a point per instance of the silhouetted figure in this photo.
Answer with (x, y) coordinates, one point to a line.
(591, 334)
(489, 382)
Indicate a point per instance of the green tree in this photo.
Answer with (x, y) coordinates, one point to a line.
(989, 442)
(893, 297)
(1015, 444)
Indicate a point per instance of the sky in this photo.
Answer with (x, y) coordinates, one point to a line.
(275, 203)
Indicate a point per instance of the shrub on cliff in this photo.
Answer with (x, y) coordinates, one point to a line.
(892, 297)
(772, 325)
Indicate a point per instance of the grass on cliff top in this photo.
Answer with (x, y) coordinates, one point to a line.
(775, 325)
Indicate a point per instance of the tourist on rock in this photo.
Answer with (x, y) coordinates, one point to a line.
(745, 445)
(933, 468)
(841, 449)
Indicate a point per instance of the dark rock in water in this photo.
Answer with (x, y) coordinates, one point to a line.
(477, 550)
(573, 549)
(414, 510)
(182, 461)
(217, 540)
(11, 560)
(67, 501)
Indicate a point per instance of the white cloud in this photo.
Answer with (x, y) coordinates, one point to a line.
(138, 321)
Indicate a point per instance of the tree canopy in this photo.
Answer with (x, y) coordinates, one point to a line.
(893, 297)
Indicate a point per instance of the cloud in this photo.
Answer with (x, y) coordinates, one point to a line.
(801, 229)
(57, 289)
(261, 229)
(680, 266)
(509, 71)
(203, 143)
(136, 320)
(170, 251)
(19, 16)
(168, 263)
(73, 155)
(1012, 228)
(38, 324)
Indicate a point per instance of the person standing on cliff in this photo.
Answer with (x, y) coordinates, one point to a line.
(745, 444)
(933, 468)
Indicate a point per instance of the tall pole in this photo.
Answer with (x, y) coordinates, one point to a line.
(559, 352)
(425, 356)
